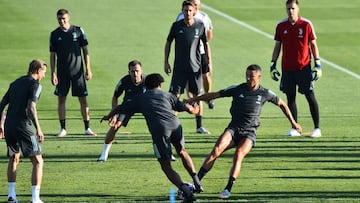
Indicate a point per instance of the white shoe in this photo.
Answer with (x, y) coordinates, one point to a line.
(293, 133)
(37, 201)
(316, 133)
(90, 132)
(62, 133)
(224, 194)
(173, 158)
(202, 130)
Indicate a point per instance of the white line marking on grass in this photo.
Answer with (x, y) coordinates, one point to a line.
(252, 28)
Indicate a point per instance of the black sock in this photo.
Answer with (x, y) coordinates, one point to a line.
(87, 124)
(202, 173)
(230, 183)
(198, 121)
(62, 124)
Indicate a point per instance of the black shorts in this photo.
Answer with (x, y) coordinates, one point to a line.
(302, 79)
(180, 79)
(124, 118)
(204, 64)
(162, 142)
(239, 134)
(77, 83)
(22, 138)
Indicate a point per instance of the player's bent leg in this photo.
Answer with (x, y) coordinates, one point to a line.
(170, 173)
(241, 151)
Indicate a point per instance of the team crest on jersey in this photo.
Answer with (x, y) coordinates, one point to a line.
(258, 100)
(74, 34)
(301, 33)
(197, 32)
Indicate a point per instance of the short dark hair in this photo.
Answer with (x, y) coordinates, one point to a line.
(133, 63)
(153, 80)
(292, 1)
(62, 11)
(254, 67)
(35, 65)
(188, 3)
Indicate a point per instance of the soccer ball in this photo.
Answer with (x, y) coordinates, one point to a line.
(180, 193)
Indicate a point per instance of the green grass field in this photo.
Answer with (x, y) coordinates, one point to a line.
(278, 169)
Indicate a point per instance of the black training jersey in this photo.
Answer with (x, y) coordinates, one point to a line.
(131, 89)
(247, 104)
(67, 46)
(19, 96)
(187, 42)
(157, 107)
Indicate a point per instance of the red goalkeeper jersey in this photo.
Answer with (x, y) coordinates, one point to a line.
(295, 39)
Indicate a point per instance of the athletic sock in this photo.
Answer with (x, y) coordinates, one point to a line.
(202, 173)
(198, 121)
(35, 193)
(86, 124)
(105, 151)
(230, 183)
(11, 189)
(62, 124)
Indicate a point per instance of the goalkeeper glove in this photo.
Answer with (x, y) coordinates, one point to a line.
(274, 73)
(316, 70)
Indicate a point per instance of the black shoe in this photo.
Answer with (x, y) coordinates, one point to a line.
(211, 104)
(12, 200)
(189, 199)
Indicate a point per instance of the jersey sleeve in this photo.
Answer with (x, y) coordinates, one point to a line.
(272, 97)
(171, 34)
(119, 88)
(83, 38)
(36, 92)
(228, 92)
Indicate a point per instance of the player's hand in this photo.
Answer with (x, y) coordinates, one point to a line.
(104, 118)
(316, 70)
(274, 73)
(54, 79)
(167, 68)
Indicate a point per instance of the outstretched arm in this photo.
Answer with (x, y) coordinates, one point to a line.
(288, 114)
(204, 97)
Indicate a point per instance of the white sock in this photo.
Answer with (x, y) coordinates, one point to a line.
(35, 191)
(11, 189)
(105, 151)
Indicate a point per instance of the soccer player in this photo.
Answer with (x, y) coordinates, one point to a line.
(21, 118)
(158, 107)
(247, 101)
(187, 34)
(68, 43)
(296, 36)
(206, 63)
(132, 84)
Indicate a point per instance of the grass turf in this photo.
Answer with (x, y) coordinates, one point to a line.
(278, 169)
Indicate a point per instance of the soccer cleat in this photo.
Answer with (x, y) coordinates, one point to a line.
(224, 194)
(293, 133)
(90, 132)
(189, 199)
(62, 133)
(211, 104)
(12, 200)
(202, 130)
(316, 133)
(172, 158)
